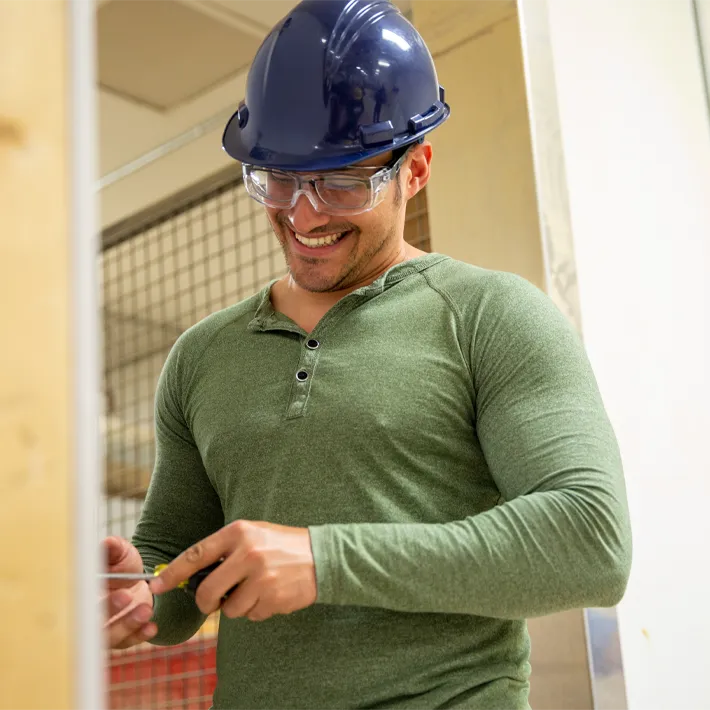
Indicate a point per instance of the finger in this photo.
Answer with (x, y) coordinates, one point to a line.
(116, 602)
(241, 601)
(115, 549)
(145, 633)
(121, 629)
(111, 585)
(117, 553)
(261, 612)
(192, 560)
(213, 589)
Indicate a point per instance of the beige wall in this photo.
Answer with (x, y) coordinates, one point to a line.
(483, 210)
(482, 203)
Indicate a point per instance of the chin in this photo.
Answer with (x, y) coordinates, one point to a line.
(316, 283)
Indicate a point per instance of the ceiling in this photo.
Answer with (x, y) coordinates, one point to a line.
(163, 53)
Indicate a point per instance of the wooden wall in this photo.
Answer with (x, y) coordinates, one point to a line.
(36, 489)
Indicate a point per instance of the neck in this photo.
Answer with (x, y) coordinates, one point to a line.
(308, 307)
(404, 252)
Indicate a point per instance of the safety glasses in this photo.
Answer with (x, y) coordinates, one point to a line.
(346, 191)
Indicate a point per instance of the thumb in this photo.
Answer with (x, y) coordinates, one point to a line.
(120, 556)
(116, 550)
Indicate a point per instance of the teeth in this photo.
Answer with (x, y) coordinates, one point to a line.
(314, 242)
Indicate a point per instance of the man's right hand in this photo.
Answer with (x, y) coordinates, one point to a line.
(128, 604)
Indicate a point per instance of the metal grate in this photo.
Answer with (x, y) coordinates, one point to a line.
(164, 270)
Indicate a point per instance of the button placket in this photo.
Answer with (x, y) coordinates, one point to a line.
(304, 374)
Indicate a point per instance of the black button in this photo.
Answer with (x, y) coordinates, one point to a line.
(302, 375)
(312, 344)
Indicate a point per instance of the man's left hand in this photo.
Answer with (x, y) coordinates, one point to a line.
(272, 564)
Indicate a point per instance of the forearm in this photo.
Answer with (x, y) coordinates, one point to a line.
(175, 614)
(181, 507)
(538, 554)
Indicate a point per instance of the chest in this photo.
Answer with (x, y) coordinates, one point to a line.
(365, 421)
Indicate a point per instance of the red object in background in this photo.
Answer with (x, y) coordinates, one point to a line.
(162, 678)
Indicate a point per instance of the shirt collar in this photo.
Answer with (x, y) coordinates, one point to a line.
(266, 318)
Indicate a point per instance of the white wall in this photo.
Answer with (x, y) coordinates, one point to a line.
(636, 139)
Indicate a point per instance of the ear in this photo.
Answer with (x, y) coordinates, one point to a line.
(418, 169)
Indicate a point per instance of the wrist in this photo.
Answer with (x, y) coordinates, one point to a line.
(324, 574)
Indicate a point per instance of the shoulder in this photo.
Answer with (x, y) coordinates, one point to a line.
(504, 317)
(478, 292)
(193, 342)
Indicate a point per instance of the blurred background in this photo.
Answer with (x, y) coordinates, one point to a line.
(560, 111)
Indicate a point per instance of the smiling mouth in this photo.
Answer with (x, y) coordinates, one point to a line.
(320, 241)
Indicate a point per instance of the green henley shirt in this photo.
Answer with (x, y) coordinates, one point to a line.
(441, 434)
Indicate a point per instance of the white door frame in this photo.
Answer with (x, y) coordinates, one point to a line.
(90, 654)
(601, 625)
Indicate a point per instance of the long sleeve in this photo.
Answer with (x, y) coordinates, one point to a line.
(560, 536)
(181, 505)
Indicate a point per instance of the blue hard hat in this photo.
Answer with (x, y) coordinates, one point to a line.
(334, 83)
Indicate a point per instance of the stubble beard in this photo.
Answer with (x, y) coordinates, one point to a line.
(348, 275)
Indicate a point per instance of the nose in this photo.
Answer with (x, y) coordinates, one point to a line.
(304, 217)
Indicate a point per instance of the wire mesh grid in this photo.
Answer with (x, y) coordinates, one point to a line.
(200, 254)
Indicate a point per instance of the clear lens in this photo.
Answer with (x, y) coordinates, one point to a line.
(338, 192)
(343, 191)
(271, 187)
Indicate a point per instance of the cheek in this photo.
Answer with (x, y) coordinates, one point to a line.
(276, 226)
(374, 224)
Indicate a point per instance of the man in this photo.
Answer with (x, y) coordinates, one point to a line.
(396, 457)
